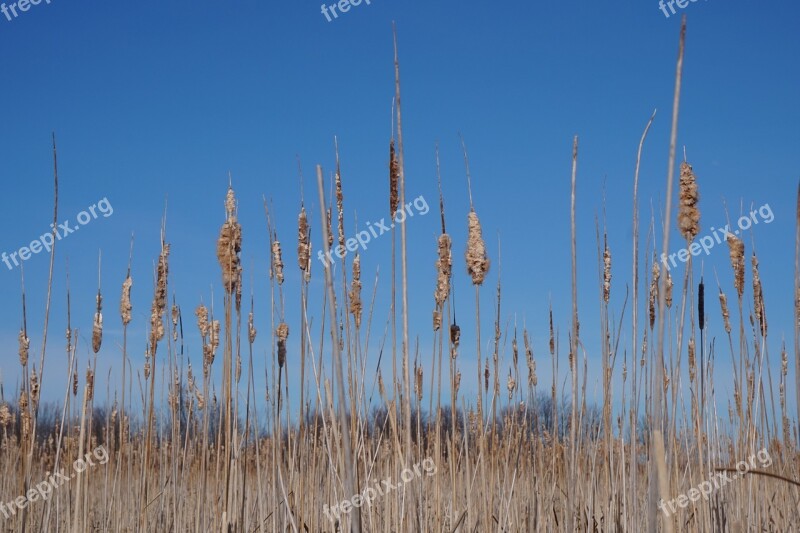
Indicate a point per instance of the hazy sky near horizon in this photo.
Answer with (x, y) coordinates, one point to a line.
(153, 105)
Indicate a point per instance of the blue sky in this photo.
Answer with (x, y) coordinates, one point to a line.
(154, 103)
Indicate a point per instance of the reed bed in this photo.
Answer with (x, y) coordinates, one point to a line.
(188, 453)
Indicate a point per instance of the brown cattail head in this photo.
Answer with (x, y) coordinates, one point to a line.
(692, 361)
(455, 335)
(653, 294)
(726, 315)
(418, 381)
(251, 329)
(97, 326)
(24, 346)
(35, 389)
(303, 242)
(160, 297)
(176, 315)
(229, 245)
(6, 417)
(277, 261)
(668, 289)
(552, 335)
(282, 333)
(444, 268)
(511, 384)
(202, 320)
(25, 415)
(125, 306)
(75, 375)
(330, 228)
(89, 384)
(606, 270)
(339, 207)
(477, 260)
(758, 298)
(394, 177)
(355, 292)
(736, 249)
(688, 212)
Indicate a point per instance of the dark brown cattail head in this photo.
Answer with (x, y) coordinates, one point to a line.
(701, 304)
(394, 177)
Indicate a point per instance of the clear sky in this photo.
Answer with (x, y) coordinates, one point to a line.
(153, 103)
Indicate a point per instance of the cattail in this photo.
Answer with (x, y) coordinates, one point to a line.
(330, 228)
(251, 329)
(25, 415)
(238, 367)
(477, 260)
(394, 177)
(229, 245)
(511, 384)
(355, 291)
(24, 345)
(97, 326)
(606, 270)
(75, 375)
(89, 384)
(418, 381)
(444, 269)
(282, 333)
(736, 248)
(486, 374)
(114, 413)
(514, 349)
(653, 294)
(202, 319)
(277, 261)
(701, 304)
(34, 383)
(457, 383)
(160, 297)
(692, 361)
(455, 339)
(437, 320)
(758, 297)
(339, 206)
(668, 289)
(688, 212)
(176, 315)
(6, 418)
(532, 379)
(303, 242)
(125, 306)
(201, 400)
(147, 365)
(726, 315)
(552, 335)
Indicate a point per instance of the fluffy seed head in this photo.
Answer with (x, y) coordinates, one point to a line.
(24, 345)
(125, 306)
(97, 326)
(688, 212)
(477, 260)
(736, 249)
